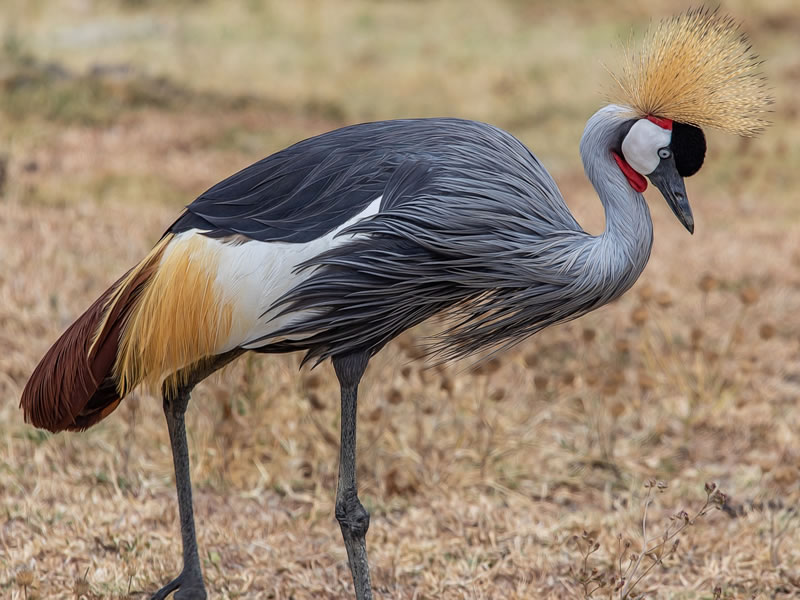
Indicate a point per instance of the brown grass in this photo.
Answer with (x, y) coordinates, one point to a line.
(478, 477)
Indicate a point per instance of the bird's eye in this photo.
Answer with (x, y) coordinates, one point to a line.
(664, 153)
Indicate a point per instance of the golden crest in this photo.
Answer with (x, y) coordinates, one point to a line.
(696, 68)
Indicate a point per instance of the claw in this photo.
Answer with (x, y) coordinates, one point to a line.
(189, 588)
(167, 589)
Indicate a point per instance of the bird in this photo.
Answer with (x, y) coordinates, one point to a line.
(340, 242)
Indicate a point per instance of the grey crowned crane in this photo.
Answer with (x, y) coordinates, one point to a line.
(338, 243)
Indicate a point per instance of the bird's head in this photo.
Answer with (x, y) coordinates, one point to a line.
(694, 70)
(665, 152)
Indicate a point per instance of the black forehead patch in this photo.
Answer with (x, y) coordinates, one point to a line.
(688, 147)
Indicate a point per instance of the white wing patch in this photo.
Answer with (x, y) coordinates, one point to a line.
(253, 275)
(640, 147)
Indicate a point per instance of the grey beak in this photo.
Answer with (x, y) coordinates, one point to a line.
(671, 186)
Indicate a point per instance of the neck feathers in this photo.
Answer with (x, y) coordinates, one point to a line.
(619, 255)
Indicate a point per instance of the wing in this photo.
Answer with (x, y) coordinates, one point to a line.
(307, 190)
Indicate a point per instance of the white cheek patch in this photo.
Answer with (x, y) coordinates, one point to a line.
(640, 147)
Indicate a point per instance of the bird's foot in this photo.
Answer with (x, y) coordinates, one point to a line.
(189, 585)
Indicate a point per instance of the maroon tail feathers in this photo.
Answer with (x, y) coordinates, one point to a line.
(73, 386)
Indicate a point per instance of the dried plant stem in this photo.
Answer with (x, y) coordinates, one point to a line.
(658, 552)
(776, 533)
(630, 583)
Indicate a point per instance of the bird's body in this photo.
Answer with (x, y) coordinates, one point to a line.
(340, 242)
(391, 211)
(386, 224)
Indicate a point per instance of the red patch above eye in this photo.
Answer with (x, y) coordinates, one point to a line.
(663, 123)
(637, 181)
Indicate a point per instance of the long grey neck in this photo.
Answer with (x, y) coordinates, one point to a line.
(620, 254)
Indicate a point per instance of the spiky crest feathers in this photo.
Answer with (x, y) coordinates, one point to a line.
(697, 68)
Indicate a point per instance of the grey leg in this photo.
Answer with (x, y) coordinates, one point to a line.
(352, 516)
(190, 581)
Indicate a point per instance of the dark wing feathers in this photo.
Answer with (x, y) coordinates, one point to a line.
(308, 189)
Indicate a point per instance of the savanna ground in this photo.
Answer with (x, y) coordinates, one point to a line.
(481, 477)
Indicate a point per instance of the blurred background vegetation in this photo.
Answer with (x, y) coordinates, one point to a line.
(258, 75)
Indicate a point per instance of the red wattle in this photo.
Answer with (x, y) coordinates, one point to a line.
(661, 122)
(637, 181)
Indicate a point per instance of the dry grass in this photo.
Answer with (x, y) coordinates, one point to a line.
(478, 477)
